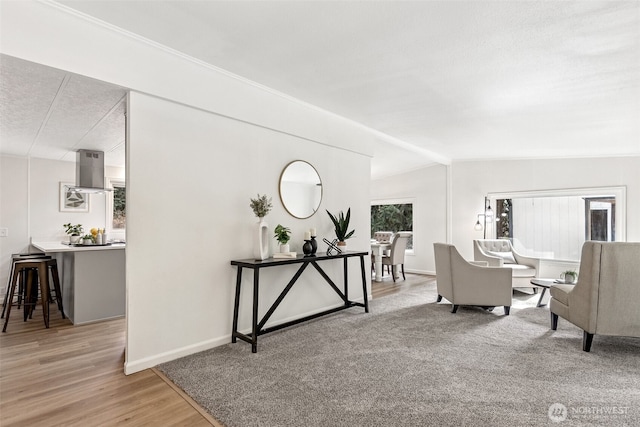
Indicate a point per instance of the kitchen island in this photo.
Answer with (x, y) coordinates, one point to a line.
(92, 277)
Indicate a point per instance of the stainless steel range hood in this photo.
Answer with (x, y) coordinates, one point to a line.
(89, 172)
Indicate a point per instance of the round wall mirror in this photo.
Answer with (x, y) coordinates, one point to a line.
(300, 189)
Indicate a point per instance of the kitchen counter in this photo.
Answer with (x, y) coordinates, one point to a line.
(92, 277)
(54, 247)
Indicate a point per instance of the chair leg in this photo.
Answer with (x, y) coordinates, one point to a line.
(402, 265)
(30, 288)
(43, 273)
(439, 298)
(454, 308)
(57, 287)
(10, 302)
(554, 321)
(393, 272)
(587, 339)
(507, 308)
(6, 294)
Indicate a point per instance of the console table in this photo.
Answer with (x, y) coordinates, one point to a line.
(257, 327)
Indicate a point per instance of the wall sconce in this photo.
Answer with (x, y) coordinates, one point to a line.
(478, 226)
(488, 217)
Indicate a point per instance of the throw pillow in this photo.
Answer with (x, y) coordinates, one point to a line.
(507, 257)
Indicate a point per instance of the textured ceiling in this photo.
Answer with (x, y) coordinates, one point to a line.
(462, 79)
(49, 113)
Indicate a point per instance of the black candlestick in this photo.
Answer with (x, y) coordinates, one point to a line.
(307, 248)
(314, 245)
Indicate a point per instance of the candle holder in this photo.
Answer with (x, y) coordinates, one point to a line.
(307, 249)
(314, 245)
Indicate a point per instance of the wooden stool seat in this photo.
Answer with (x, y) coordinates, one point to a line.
(22, 269)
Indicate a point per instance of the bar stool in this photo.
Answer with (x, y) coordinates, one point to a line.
(42, 266)
(52, 267)
(23, 278)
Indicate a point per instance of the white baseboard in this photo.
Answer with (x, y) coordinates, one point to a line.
(131, 367)
(430, 273)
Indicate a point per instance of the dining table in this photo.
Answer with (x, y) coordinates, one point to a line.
(377, 250)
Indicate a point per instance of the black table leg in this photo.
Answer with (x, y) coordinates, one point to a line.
(364, 285)
(346, 282)
(236, 305)
(540, 304)
(254, 322)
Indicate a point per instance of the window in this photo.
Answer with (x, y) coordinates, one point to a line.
(392, 217)
(600, 218)
(554, 224)
(117, 206)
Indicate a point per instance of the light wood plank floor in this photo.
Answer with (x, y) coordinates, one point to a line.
(73, 375)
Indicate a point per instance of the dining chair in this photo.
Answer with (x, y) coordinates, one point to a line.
(396, 254)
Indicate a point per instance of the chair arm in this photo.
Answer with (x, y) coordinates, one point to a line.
(527, 260)
(492, 261)
(482, 285)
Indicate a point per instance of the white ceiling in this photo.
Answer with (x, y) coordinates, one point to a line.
(445, 80)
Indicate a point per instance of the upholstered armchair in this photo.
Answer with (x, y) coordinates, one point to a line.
(500, 253)
(606, 298)
(465, 283)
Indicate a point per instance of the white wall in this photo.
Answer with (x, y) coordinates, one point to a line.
(549, 227)
(427, 190)
(14, 214)
(473, 180)
(191, 172)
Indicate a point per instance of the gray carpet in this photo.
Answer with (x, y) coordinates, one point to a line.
(410, 362)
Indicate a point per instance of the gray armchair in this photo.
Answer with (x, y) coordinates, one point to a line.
(500, 253)
(465, 283)
(606, 298)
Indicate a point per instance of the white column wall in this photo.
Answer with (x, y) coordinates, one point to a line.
(188, 216)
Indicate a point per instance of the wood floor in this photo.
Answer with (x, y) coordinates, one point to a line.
(73, 375)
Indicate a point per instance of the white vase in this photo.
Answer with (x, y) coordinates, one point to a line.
(342, 246)
(284, 248)
(261, 240)
(74, 239)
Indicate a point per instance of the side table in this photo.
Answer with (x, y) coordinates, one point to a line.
(544, 284)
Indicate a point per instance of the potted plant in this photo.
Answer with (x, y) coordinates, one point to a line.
(74, 232)
(341, 226)
(569, 276)
(282, 236)
(261, 207)
(88, 239)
